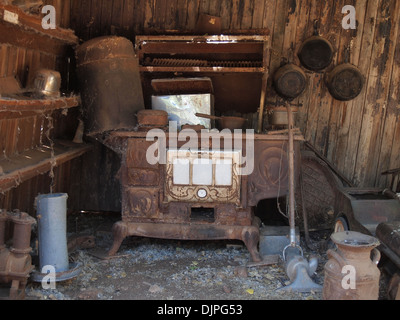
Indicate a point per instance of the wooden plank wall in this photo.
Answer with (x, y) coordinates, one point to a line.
(18, 134)
(361, 137)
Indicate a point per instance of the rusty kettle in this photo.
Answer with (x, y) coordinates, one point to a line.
(351, 272)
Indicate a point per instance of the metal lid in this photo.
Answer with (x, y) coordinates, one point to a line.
(107, 47)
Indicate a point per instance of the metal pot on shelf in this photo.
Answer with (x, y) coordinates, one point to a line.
(47, 82)
(225, 122)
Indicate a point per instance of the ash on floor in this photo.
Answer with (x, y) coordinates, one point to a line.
(158, 269)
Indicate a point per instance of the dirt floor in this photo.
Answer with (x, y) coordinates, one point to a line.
(157, 269)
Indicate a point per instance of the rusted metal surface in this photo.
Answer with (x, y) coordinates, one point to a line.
(316, 198)
(270, 176)
(15, 261)
(290, 81)
(394, 287)
(110, 84)
(316, 53)
(365, 209)
(155, 205)
(248, 234)
(230, 123)
(389, 234)
(152, 118)
(345, 82)
(353, 249)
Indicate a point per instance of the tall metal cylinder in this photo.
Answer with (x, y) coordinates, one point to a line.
(110, 84)
(52, 228)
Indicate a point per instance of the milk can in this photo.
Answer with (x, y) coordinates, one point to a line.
(351, 272)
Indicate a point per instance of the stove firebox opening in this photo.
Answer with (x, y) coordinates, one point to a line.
(202, 215)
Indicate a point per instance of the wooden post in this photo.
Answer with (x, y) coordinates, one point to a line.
(263, 88)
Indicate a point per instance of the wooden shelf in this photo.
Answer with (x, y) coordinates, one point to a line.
(15, 108)
(34, 23)
(22, 167)
(236, 65)
(26, 30)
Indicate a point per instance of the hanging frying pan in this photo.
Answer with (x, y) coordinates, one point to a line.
(289, 81)
(316, 53)
(345, 81)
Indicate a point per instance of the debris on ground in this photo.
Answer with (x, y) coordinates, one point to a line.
(159, 269)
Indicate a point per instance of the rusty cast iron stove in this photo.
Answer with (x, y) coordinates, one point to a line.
(201, 190)
(197, 194)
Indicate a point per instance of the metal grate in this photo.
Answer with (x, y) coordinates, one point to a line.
(168, 62)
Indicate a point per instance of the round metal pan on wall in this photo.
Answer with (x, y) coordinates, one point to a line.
(345, 82)
(316, 53)
(290, 81)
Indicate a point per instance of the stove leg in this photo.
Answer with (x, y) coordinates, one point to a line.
(120, 232)
(251, 238)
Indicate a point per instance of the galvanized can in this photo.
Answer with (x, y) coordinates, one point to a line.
(351, 272)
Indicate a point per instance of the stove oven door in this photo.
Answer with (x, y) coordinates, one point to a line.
(198, 176)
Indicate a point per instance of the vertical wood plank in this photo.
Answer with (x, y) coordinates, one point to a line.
(391, 121)
(258, 14)
(116, 17)
(214, 8)
(330, 113)
(226, 12)
(303, 8)
(348, 110)
(316, 80)
(11, 137)
(368, 33)
(181, 16)
(382, 55)
(247, 18)
(3, 134)
(4, 50)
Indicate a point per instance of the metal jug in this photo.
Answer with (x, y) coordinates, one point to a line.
(351, 272)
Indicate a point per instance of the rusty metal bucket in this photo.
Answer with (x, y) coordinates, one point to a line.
(351, 273)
